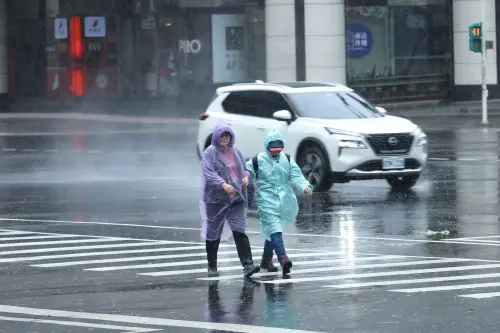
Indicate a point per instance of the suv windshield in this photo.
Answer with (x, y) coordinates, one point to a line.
(333, 105)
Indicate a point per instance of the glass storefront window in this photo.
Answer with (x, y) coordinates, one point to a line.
(178, 51)
(400, 51)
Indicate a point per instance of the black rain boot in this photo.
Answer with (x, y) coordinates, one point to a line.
(268, 264)
(212, 247)
(245, 253)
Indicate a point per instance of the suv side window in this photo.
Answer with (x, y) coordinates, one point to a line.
(255, 103)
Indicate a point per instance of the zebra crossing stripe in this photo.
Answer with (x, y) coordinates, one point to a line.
(413, 281)
(3, 239)
(447, 288)
(341, 268)
(377, 274)
(481, 295)
(89, 247)
(79, 241)
(296, 263)
(113, 260)
(188, 263)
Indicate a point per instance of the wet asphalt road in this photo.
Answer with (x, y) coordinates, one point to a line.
(100, 233)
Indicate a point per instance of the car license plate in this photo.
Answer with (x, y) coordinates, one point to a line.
(392, 163)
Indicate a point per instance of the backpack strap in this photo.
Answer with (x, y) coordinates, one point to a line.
(255, 163)
(287, 157)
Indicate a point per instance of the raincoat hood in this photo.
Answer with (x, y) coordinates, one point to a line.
(272, 135)
(220, 128)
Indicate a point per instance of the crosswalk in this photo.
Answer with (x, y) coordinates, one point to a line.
(328, 270)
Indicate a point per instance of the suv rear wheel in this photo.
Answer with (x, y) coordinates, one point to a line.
(314, 166)
(403, 182)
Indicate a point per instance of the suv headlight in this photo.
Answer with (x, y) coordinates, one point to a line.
(420, 137)
(352, 144)
(334, 131)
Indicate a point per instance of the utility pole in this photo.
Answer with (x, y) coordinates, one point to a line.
(484, 87)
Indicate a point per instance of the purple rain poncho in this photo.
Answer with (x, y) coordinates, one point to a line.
(222, 165)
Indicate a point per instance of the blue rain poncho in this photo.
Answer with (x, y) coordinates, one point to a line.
(220, 213)
(276, 200)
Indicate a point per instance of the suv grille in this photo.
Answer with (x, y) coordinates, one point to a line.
(390, 144)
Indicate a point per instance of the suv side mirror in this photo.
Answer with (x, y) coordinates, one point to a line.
(284, 115)
(381, 110)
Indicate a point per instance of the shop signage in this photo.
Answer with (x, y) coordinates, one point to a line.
(61, 28)
(148, 22)
(95, 26)
(359, 40)
(229, 48)
(189, 46)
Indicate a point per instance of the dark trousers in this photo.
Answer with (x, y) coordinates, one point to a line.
(275, 244)
(242, 247)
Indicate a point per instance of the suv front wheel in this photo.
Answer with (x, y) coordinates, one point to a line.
(403, 182)
(314, 166)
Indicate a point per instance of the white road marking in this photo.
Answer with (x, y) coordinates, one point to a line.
(108, 261)
(447, 288)
(489, 242)
(378, 274)
(74, 248)
(413, 281)
(477, 237)
(248, 232)
(106, 253)
(79, 241)
(189, 263)
(343, 268)
(79, 324)
(6, 232)
(481, 295)
(36, 237)
(148, 320)
(295, 263)
(438, 159)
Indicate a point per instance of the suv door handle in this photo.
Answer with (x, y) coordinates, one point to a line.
(261, 128)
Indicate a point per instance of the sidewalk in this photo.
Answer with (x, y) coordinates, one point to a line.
(428, 114)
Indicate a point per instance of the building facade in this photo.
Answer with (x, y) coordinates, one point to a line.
(52, 51)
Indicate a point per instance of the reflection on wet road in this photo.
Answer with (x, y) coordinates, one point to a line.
(106, 227)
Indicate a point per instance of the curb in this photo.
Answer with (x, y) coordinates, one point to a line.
(99, 117)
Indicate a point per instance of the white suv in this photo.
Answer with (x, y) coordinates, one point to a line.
(334, 134)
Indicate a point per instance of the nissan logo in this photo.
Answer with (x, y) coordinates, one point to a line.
(393, 141)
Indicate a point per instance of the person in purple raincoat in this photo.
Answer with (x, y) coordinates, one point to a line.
(224, 198)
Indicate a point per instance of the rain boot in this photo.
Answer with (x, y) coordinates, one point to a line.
(212, 247)
(245, 253)
(286, 265)
(267, 263)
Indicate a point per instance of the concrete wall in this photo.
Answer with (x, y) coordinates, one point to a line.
(467, 65)
(325, 40)
(280, 40)
(3, 54)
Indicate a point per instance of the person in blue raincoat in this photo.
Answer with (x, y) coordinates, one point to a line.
(276, 200)
(224, 198)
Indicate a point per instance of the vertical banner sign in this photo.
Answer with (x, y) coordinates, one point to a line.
(95, 26)
(229, 48)
(61, 28)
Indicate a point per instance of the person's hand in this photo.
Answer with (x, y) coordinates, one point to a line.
(245, 181)
(229, 189)
(308, 191)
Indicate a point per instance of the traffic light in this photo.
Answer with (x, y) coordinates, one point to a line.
(476, 37)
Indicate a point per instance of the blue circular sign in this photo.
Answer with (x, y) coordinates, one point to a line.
(359, 40)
